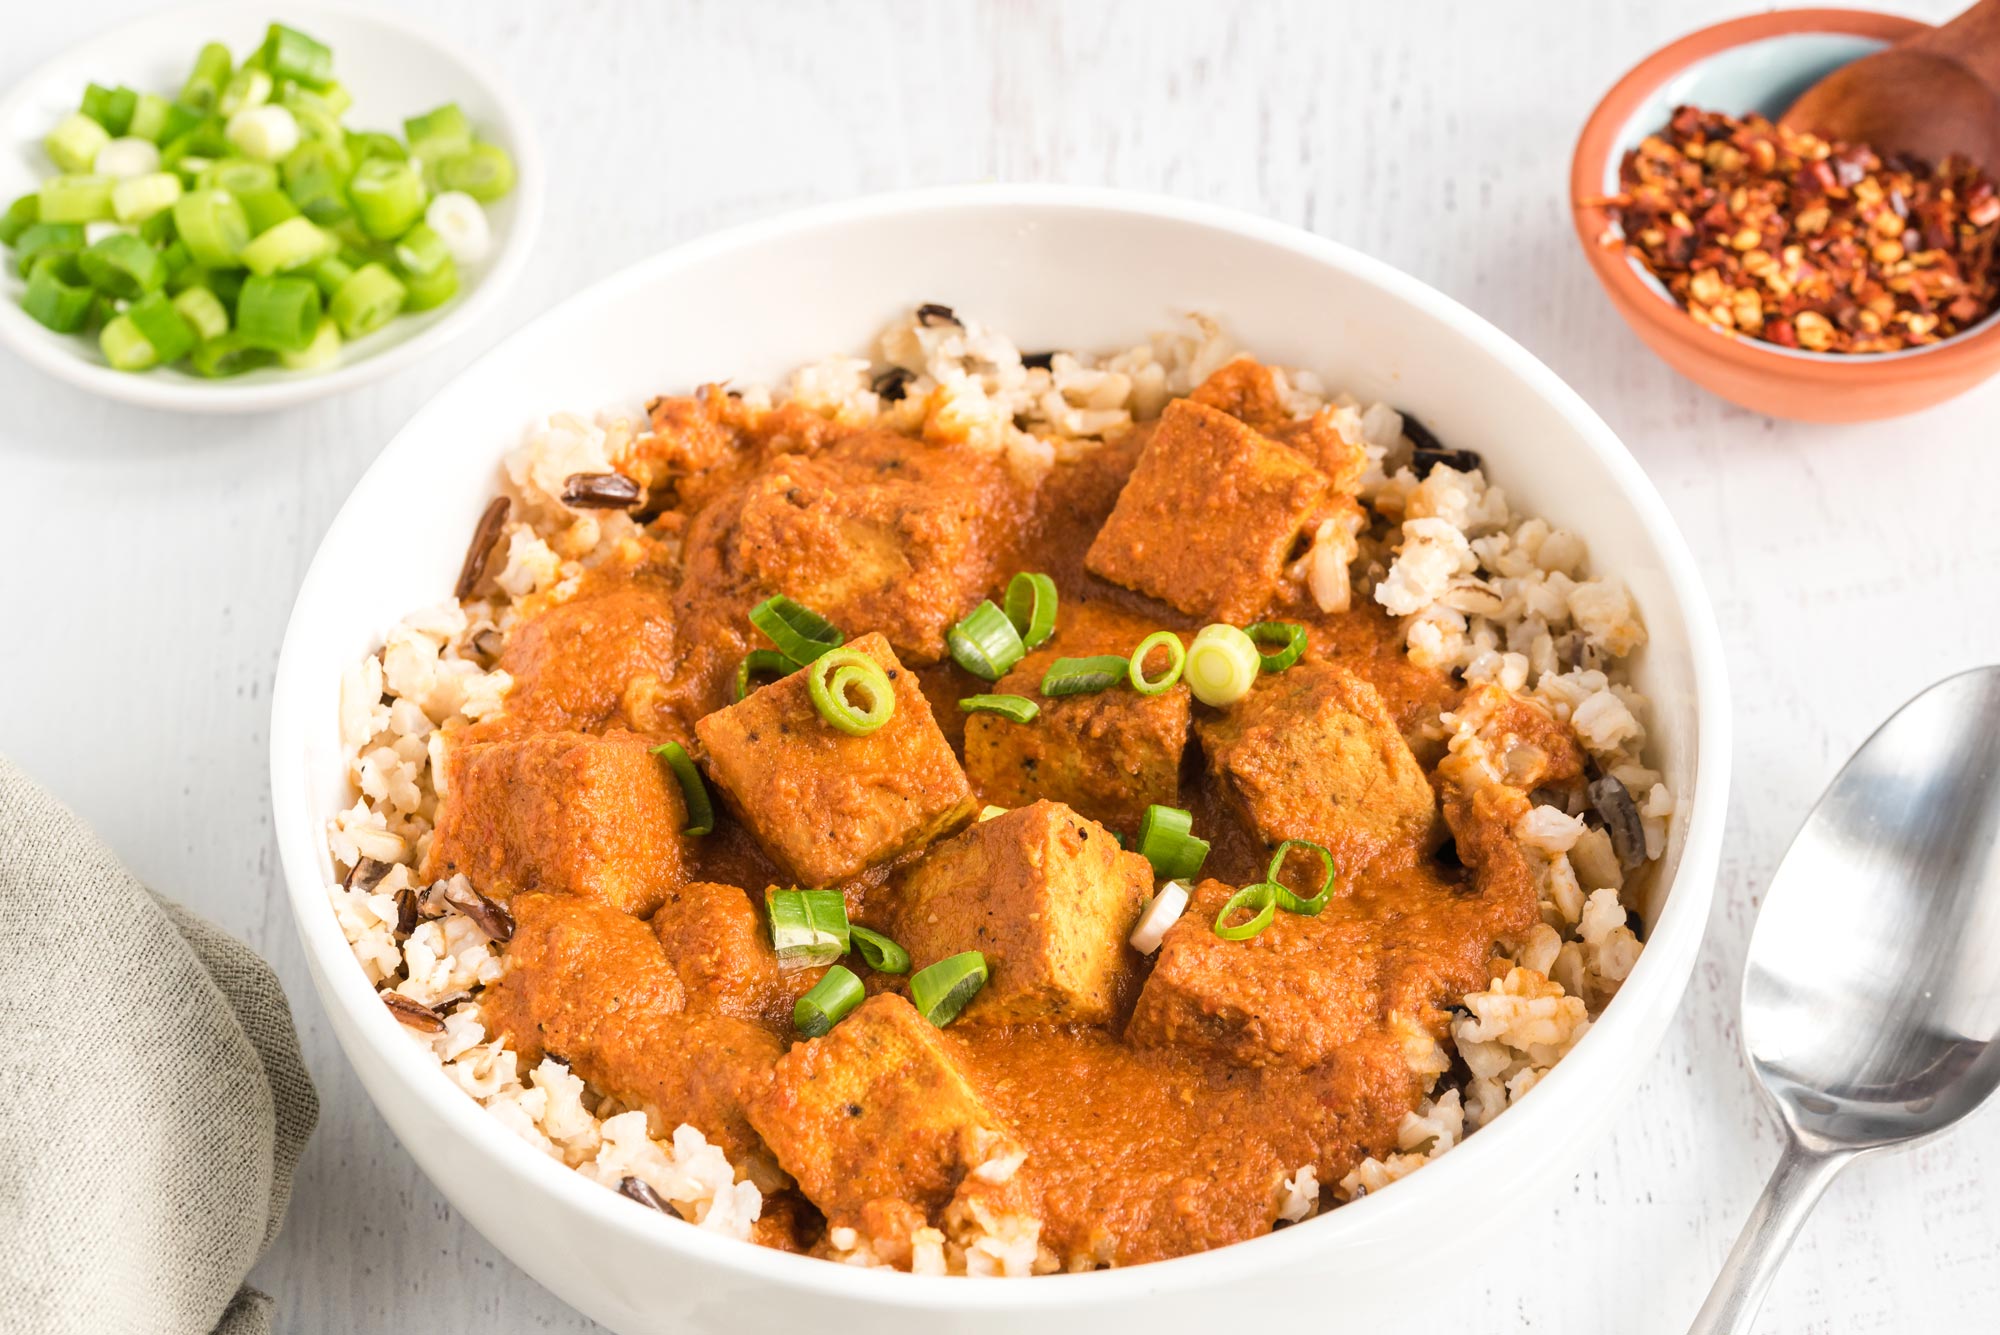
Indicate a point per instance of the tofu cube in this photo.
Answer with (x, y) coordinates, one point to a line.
(598, 660)
(1311, 753)
(823, 803)
(1291, 996)
(566, 812)
(1211, 516)
(878, 1124)
(720, 944)
(1048, 897)
(1108, 755)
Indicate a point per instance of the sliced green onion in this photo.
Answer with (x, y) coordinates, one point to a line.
(1290, 636)
(882, 954)
(141, 197)
(53, 299)
(204, 312)
(227, 356)
(828, 1002)
(290, 54)
(156, 319)
(985, 642)
(483, 171)
(322, 352)
(316, 176)
(365, 144)
(158, 230)
(150, 116)
(1081, 676)
(439, 133)
(388, 197)
(1289, 900)
(248, 87)
(126, 157)
(22, 214)
(291, 244)
(1165, 841)
(694, 793)
(1222, 664)
(989, 811)
(940, 991)
(1031, 606)
(800, 633)
(808, 927)
(426, 290)
(124, 346)
(330, 273)
(1176, 659)
(278, 313)
(367, 300)
(77, 199)
(761, 663)
(123, 266)
(421, 251)
(1016, 708)
(45, 238)
(210, 76)
(110, 107)
(73, 144)
(834, 674)
(264, 134)
(1259, 901)
(213, 226)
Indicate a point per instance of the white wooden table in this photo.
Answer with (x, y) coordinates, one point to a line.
(147, 563)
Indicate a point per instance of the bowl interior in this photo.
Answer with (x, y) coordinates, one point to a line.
(1055, 269)
(392, 71)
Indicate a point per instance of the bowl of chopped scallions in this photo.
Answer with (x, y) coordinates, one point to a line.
(234, 208)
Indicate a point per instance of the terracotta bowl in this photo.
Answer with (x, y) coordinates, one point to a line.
(1760, 64)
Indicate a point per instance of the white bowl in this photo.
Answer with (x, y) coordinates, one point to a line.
(1055, 268)
(392, 69)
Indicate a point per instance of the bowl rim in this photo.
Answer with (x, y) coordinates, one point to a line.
(1662, 968)
(1630, 285)
(48, 352)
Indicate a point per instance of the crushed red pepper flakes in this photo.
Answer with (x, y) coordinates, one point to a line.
(1761, 231)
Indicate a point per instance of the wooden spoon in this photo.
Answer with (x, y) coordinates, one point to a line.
(1934, 94)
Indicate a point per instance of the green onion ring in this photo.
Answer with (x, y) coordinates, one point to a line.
(1165, 841)
(800, 633)
(1289, 634)
(756, 663)
(1261, 901)
(694, 793)
(1017, 708)
(985, 643)
(1031, 606)
(1176, 660)
(1222, 664)
(808, 927)
(940, 991)
(836, 672)
(1081, 676)
(882, 954)
(1289, 900)
(828, 1002)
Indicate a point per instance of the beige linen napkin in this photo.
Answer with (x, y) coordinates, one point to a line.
(152, 1100)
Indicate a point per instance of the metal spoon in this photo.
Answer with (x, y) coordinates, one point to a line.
(1871, 999)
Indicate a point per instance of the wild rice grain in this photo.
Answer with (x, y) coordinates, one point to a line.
(1621, 820)
(367, 874)
(483, 537)
(489, 916)
(600, 491)
(930, 315)
(893, 383)
(413, 1013)
(635, 1188)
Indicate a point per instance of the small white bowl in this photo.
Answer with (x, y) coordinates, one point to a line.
(392, 69)
(1055, 268)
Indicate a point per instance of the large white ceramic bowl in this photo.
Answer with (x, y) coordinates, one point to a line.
(393, 70)
(1056, 268)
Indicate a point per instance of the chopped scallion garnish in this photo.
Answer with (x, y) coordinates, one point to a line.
(1018, 708)
(829, 1001)
(1259, 901)
(1081, 676)
(694, 793)
(808, 927)
(800, 633)
(1176, 659)
(290, 54)
(985, 642)
(761, 663)
(1165, 841)
(1222, 664)
(1289, 636)
(280, 313)
(1031, 606)
(1289, 900)
(836, 676)
(940, 991)
(882, 954)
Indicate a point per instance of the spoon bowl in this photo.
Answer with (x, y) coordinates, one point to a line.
(1871, 998)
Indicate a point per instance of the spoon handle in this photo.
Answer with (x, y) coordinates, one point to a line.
(1795, 1187)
